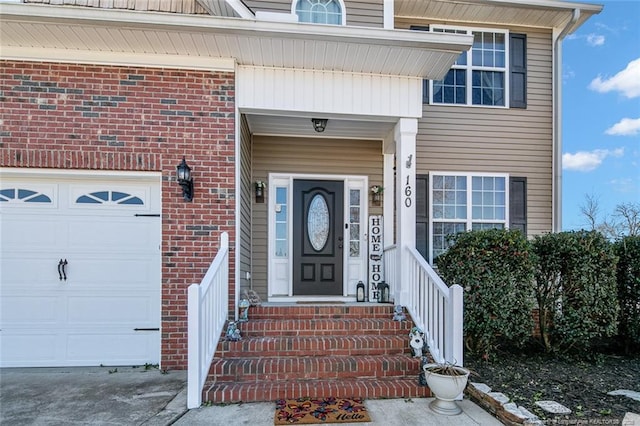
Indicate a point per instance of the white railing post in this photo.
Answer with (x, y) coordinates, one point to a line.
(434, 307)
(456, 333)
(207, 310)
(194, 388)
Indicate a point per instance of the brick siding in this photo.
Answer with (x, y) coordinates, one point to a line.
(69, 116)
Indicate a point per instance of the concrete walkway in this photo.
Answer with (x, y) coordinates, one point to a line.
(139, 396)
(383, 412)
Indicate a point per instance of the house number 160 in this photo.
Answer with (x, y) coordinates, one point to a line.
(407, 193)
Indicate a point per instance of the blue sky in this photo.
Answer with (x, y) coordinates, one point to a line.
(601, 112)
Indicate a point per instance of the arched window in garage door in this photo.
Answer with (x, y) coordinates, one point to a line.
(23, 195)
(109, 197)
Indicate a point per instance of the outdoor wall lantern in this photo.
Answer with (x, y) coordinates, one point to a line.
(383, 295)
(319, 124)
(260, 187)
(360, 291)
(185, 180)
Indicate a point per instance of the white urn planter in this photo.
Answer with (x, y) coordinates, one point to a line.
(447, 382)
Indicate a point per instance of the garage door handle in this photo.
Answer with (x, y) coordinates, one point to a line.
(61, 272)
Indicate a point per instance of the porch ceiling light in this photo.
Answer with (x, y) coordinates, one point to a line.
(185, 180)
(319, 124)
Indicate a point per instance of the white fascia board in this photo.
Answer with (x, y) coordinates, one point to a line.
(224, 25)
(118, 58)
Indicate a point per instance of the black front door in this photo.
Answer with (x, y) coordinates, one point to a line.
(317, 237)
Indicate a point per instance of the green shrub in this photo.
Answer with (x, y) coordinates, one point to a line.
(496, 270)
(575, 289)
(628, 277)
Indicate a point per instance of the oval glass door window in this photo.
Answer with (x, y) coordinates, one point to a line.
(318, 222)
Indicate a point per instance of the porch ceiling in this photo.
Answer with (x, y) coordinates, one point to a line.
(273, 125)
(94, 35)
(531, 13)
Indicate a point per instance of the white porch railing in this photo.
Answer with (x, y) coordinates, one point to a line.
(208, 307)
(434, 307)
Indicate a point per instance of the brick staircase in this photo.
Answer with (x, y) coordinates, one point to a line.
(316, 351)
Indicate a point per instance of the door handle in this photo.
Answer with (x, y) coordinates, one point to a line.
(61, 272)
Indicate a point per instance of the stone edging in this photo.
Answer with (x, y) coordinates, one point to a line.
(499, 406)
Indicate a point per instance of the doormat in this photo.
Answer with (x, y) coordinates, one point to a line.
(305, 411)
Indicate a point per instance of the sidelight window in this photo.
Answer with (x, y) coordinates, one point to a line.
(282, 225)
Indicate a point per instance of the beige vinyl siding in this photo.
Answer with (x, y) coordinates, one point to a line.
(175, 6)
(499, 140)
(360, 13)
(280, 6)
(363, 13)
(311, 156)
(246, 194)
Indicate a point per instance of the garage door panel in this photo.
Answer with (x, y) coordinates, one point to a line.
(135, 311)
(31, 311)
(30, 272)
(24, 234)
(28, 348)
(128, 274)
(125, 348)
(122, 234)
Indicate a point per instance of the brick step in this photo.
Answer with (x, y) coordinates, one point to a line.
(377, 388)
(276, 346)
(324, 327)
(312, 368)
(361, 310)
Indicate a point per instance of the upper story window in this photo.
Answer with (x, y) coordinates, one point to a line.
(320, 11)
(480, 75)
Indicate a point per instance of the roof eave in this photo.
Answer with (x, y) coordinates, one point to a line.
(449, 45)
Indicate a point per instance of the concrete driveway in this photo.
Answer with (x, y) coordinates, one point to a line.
(91, 396)
(126, 396)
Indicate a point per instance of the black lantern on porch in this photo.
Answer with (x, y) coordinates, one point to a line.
(360, 291)
(383, 292)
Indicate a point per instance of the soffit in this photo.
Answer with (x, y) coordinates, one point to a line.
(343, 128)
(46, 29)
(533, 13)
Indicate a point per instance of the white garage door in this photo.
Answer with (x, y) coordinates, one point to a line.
(80, 268)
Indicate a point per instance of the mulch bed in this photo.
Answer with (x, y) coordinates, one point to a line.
(580, 385)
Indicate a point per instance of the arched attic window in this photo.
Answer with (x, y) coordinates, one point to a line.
(320, 11)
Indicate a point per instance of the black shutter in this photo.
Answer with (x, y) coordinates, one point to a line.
(518, 76)
(518, 203)
(425, 83)
(422, 215)
(425, 91)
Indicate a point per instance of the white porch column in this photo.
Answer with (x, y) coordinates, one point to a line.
(405, 138)
(389, 196)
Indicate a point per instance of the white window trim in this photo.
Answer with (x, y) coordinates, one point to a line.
(469, 220)
(470, 68)
(349, 286)
(343, 19)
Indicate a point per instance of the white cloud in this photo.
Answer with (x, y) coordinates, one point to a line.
(626, 81)
(625, 127)
(586, 161)
(595, 39)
